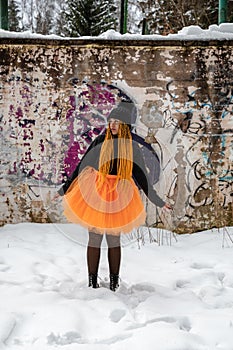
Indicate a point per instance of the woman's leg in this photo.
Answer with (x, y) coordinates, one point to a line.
(114, 253)
(93, 257)
(114, 260)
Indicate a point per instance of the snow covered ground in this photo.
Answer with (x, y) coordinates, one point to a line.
(172, 297)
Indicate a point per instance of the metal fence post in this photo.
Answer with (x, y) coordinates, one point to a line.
(4, 14)
(222, 11)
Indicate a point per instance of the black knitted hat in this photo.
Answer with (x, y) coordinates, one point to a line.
(125, 111)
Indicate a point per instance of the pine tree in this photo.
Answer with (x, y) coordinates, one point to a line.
(13, 16)
(90, 17)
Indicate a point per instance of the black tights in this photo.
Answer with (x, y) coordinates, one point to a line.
(93, 253)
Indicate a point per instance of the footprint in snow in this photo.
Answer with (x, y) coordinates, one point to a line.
(64, 339)
(117, 315)
(199, 266)
(4, 268)
(181, 283)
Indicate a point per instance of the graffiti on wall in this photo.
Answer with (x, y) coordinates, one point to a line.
(47, 124)
(47, 147)
(203, 142)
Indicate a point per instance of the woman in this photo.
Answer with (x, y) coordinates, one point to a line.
(102, 194)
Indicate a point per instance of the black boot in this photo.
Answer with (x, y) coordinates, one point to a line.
(93, 281)
(114, 282)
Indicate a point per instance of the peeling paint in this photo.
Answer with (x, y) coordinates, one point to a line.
(54, 100)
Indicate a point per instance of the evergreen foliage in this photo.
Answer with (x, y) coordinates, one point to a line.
(93, 17)
(90, 17)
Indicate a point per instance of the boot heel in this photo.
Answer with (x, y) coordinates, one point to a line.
(114, 282)
(93, 281)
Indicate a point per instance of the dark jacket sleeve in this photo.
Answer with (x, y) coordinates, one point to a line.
(90, 158)
(141, 178)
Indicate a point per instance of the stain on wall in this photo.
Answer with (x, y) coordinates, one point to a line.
(54, 100)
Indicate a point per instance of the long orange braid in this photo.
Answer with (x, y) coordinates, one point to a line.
(125, 154)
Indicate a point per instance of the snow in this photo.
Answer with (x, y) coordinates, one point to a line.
(171, 297)
(223, 31)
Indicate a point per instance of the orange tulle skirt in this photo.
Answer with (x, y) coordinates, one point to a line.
(112, 207)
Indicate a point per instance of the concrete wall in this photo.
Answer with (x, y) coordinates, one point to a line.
(54, 99)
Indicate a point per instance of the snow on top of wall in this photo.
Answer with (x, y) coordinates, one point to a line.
(223, 31)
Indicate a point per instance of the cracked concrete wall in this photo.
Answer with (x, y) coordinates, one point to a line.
(54, 100)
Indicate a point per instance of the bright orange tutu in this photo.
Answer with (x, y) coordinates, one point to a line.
(115, 207)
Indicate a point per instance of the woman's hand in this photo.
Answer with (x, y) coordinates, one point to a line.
(167, 206)
(56, 196)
